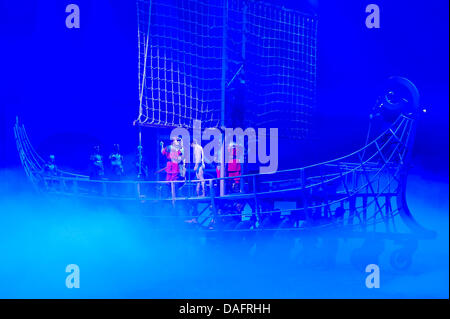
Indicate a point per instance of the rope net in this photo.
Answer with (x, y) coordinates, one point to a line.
(195, 55)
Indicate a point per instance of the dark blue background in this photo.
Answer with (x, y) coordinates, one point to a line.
(75, 87)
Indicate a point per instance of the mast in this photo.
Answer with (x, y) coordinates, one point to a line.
(223, 93)
(142, 80)
(224, 62)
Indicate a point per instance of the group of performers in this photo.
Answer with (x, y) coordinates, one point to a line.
(176, 164)
(50, 170)
(175, 168)
(97, 168)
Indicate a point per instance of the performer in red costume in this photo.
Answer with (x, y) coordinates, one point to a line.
(173, 155)
(234, 167)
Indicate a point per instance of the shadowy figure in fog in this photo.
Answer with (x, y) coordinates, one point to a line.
(50, 171)
(96, 169)
(141, 165)
(116, 162)
(141, 172)
(117, 171)
(50, 168)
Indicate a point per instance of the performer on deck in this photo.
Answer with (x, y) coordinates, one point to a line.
(199, 166)
(141, 172)
(116, 161)
(50, 168)
(172, 154)
(182, 161)
(96, 170)
(141, 164)
(234, 167)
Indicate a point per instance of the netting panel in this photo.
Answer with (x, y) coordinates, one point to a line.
(182, 65)
(270, 51)
(281, 82)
